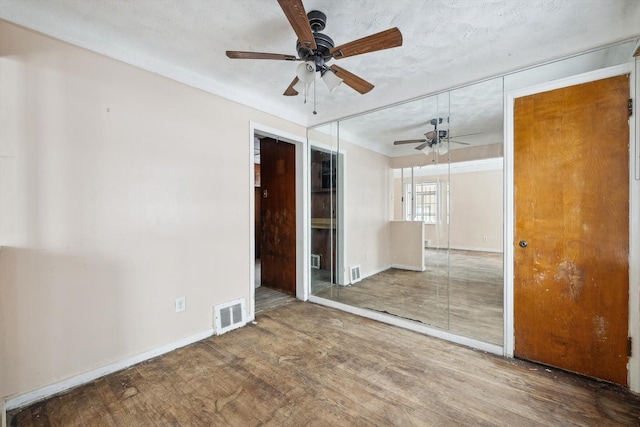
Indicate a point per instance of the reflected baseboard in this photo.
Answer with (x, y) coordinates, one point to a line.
(408, 324)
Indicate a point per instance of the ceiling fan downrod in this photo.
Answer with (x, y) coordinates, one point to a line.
(324, 43)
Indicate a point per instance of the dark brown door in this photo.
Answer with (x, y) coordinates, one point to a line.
(571, 180)
(278, 204)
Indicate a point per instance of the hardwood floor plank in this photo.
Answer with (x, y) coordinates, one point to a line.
(460, 291)
(305, 364)
(266, 298)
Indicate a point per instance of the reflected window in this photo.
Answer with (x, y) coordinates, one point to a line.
(425, 202)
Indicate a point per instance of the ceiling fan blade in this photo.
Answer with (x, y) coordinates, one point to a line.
(290, 90)
(350, 79)
(295, 13)
(260, 55)
(458, 142)
(379, 41)
(409, 141)
(466, 134)
(421, 146)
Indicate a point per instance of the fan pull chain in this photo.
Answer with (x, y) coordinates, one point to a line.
(314, 98)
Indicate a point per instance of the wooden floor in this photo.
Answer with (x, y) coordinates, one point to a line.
(460, 292)
(267, 299)
(306, 364)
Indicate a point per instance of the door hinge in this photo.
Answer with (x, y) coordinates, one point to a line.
(629, 346)
(630, 105)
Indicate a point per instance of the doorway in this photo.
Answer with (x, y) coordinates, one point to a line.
(299, 243)
(327, 206)
(568, 232)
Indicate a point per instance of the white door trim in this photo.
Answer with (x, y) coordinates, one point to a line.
(302, 237)
(342, 273)
(634, 210)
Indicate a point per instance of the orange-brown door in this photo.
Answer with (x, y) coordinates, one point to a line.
(278, 205)
(571, 263)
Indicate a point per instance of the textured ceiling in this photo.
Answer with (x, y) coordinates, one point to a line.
(472, 115)
(446, 44)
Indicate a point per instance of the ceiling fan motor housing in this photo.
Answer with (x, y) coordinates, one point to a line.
(324, 43)
(317, 20)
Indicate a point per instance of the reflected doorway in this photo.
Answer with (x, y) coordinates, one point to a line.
(326, 209)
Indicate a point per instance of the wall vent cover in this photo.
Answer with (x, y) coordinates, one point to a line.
(355, 274)
(315, 261)
(229, 316)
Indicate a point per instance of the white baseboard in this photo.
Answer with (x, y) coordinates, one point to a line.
(470, 249)
(87, 377)
(411, 325)
(407, 267)
(373, 273)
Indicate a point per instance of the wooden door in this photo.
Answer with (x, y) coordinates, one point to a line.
(278, 246)
(571, 180)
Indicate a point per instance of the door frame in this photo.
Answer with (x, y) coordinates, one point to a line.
(342, 275)
(633, 373)
(302, 196)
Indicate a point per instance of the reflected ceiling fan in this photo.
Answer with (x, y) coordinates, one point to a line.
(434, 138)
(316, 49)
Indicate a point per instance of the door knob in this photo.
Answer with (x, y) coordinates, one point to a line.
(523, 243)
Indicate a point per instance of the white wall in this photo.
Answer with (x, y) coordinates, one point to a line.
(367, 206)
(407, 245)
(119, 191)
(476, 208)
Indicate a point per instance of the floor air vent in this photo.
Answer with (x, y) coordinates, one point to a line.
(315, 261)
(228, 316)
(355, 274)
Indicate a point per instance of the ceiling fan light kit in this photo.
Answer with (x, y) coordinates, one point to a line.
(331, 80)
(306, 72)
(300, 87)
(315, 49)
(436, 139)
(297, 87)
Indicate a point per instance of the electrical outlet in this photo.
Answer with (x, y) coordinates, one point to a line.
(181, 304)
(485, 238)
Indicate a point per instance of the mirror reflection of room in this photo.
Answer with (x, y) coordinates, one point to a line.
(424, 213)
